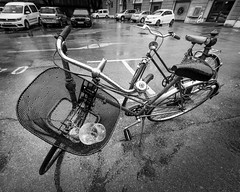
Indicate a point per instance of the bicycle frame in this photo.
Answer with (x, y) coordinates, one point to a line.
(82, 95)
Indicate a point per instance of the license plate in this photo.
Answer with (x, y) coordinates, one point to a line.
(6, 23)
(80, 22)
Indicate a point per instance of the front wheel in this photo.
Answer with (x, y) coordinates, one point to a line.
(178, 103)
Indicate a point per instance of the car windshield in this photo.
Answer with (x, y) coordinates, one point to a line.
(80, 12)
(47, 10)
(157, 13)
(13, 9)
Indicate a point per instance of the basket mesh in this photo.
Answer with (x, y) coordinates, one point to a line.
(47, 97)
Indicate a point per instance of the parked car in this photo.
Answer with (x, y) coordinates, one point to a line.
(140, 16)
(125, 15)
(53, 16)
(81, 17)
(19, 15)
(161, 16)
(101, 13)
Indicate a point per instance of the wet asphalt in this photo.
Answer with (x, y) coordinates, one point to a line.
(199, 151)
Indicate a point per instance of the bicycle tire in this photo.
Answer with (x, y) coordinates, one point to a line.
(169, 108)
(50, 158)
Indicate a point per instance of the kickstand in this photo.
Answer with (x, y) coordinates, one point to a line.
(143, 124)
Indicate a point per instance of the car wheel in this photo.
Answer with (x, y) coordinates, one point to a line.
(158, 23)
(61, 24)
(107, 16)
(39, 22)
(122, 18)
(26, 25)
(44, 25)
(142, 20)
(171, 23)
(97, 17)
(89, 25)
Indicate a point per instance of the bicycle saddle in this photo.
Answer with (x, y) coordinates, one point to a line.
(196, 39)
(195, 71)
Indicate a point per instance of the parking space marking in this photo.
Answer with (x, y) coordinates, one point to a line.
(91, 46)
(19, 70)
(128, 67)
(1, 70)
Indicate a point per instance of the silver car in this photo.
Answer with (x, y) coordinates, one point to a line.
(161, 16)
(140, 16)
(125, 15)
(53, 16)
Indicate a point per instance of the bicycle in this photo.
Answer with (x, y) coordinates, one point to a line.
(67, 104)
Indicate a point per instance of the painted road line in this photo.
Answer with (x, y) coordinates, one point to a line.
(116, 60)
(91, 46)
(1, 70)
(128, 67)
(19, 70)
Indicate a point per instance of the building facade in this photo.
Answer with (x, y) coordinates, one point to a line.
(226, 12)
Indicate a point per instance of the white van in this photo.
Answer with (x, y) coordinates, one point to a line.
(101, 13)
(19, 15)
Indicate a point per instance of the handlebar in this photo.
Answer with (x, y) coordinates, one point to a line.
(96, 72)
(157, 33)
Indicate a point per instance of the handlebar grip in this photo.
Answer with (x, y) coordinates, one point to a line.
(65, 32)
(177, 37)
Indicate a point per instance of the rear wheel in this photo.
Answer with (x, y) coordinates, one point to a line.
(39, 22)
(171, 23)
(61, 23)
(122, 18)
(26, 25)
(142, 20)
(178, 104)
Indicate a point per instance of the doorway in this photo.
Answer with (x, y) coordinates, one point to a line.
(220, 10)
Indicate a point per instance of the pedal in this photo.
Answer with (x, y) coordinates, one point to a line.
(127, 135)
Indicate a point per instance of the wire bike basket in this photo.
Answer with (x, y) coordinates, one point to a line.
(44, 105)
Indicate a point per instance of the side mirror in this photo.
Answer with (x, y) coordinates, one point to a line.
(27, 12)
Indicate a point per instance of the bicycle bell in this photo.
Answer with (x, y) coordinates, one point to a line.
(141, 86)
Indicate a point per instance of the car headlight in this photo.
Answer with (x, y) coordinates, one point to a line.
(58, 18)
(72, 19)
(18, 19)
(88, 19)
